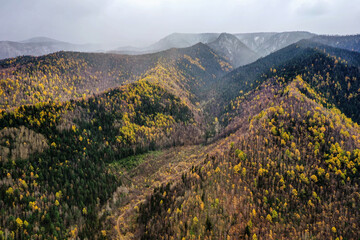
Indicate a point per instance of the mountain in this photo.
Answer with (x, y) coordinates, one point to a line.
(72, 145)
(41, 40)
(62, 76)
(266, 43)
(351, 43)
(261, 43)
(13, 49)
(254, 41)
(251, 73)
(281, 40)
(225, 44)
(233, 49)
(49, 103)
(182, 40)
(280, 159)
(175, 40)
(281, 169)
(41, 46)
(180, 145)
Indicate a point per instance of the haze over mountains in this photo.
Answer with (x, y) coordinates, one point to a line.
(261, 43)
(243, 48)
(41, 45)
(199, 136)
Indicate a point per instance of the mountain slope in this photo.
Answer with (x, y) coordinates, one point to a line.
(281, 40)
(351, 43)
(261, 43)
(233, 49)
(41, 40)
(41, 46)
(254, 41)
(261, 180)
(323, 70)
(182, 40)
(281, 163)
(175, 40)
(60, 143)
(67, 75)
(54, 156)
(284, 173)
(266, 43)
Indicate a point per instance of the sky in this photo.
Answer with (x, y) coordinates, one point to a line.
(142, 22)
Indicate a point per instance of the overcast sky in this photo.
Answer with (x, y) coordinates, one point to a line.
(142, 22)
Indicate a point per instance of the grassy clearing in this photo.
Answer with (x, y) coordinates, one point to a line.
(132, 162)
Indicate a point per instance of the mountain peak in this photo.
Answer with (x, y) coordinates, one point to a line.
(41, 40)
(227, 35)
(227, 38)
(233, 49)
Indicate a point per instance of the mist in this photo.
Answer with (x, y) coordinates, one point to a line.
(142, 22)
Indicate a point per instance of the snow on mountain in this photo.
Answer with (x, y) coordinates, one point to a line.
(233, 49)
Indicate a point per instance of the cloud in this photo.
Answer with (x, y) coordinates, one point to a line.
(311, 7)
(141, 22)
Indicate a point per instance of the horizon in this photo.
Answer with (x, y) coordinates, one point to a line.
(140, 23)
(124, 46)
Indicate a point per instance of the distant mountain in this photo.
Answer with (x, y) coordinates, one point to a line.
(255, 40)
(39, 46)
(266, 43)
(175, 40)
(233, 49)
(41, 40)
(351, 43)
(262, 43)
(181, 40)
(13, 49)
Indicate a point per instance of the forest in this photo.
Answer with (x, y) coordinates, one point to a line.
(180, 144)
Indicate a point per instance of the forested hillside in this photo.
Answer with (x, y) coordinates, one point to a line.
(69, 75)
(285, 164)
(60, 136)
(179, 145)
(332, 72)
(54, 156)
(288, 170)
